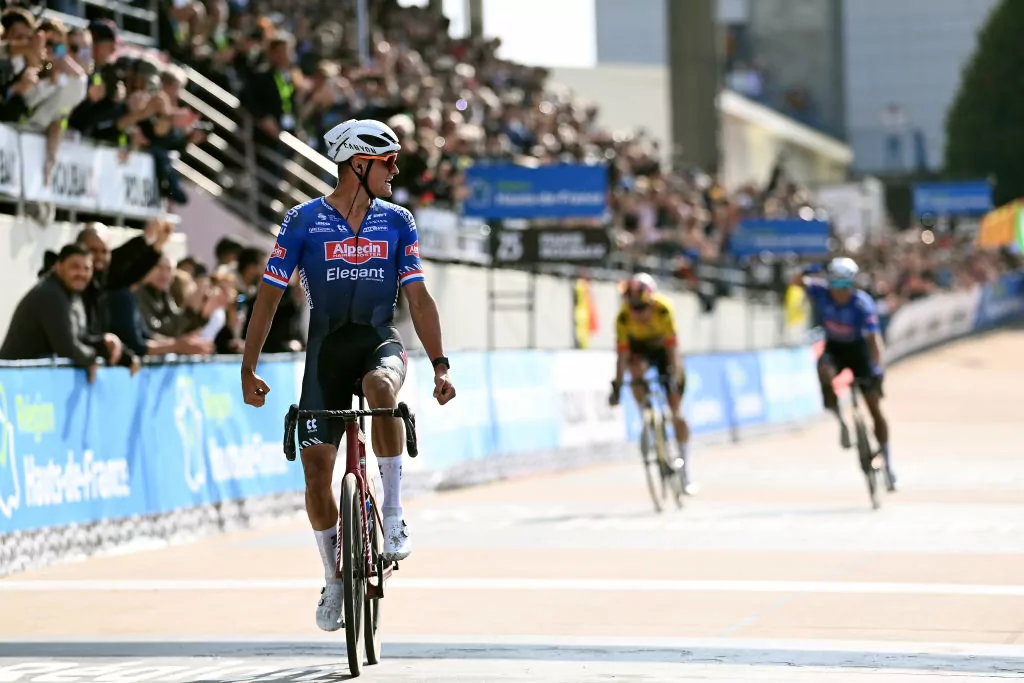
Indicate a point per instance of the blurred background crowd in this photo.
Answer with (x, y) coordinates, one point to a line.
(294, 66)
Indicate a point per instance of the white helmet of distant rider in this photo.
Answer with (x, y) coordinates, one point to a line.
(842, 273)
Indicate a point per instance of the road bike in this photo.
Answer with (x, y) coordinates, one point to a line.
(361, 562)
(664, 474)
(872, 462)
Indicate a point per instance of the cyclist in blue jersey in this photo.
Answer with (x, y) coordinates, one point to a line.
(353, 251)
(853, 339)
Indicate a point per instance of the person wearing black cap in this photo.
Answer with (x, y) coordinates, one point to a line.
(96, 116)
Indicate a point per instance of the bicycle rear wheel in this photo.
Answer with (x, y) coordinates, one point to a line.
(649, 459)
(353, 571)
(372, 615)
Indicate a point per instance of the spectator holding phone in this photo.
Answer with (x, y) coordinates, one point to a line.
(96, 116)
(18, 75)
(61, 87)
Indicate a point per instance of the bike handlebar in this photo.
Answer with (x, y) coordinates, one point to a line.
(291, 423)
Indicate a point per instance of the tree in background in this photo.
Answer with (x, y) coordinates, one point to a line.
(985, 124)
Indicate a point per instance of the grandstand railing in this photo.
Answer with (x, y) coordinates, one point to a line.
(259, 184)
(138, 21)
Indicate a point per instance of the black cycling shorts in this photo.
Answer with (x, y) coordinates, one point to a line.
(854, 356)
(656, 356)
(334, 367)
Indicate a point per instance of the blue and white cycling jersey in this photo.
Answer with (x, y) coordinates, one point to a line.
(348, 278)
(848, 323)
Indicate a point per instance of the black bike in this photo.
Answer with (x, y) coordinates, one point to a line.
(664, 474)
(361, 563)
(872, 462)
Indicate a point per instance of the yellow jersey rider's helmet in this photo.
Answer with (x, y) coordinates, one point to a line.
(638, 291)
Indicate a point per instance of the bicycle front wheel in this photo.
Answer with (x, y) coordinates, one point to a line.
(671, 482)
(866, 464)
(372, 615)
(649, 458)
(353, 573)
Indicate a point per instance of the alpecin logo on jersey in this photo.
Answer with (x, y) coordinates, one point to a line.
(413, 249)
(279, 251)
(355, 251)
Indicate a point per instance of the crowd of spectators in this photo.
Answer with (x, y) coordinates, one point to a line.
(79, 83)
(453, 102)
(132, 302)
(898, 268)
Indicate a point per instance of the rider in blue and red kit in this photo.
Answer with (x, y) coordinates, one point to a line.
(853, 340)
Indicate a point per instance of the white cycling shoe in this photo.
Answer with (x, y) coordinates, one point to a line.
(397, 544)
(329, 612)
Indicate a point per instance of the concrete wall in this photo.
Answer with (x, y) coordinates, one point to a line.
(461, 294)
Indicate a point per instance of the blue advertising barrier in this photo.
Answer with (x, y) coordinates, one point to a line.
(734, 390)
(1001, 302)
(560, 191)
(789, 384)
(781, 236)
(179, 436)
(968, 198)
(174, 436)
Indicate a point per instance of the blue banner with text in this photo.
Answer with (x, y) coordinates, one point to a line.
(561, 191)
(174, 436)
(965, 198)
(794, 236)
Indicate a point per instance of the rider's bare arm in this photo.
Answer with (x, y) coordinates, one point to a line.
(425, 318)
(263, 310)
(877, 348)
(622, 345)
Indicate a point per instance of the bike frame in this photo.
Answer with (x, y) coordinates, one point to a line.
(650, 393)
(355, 464)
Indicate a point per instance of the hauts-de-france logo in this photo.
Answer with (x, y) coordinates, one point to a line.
(356, 251)
(10, 486)
(480, 193)
(188, 417)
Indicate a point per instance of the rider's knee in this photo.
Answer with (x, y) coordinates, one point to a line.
(317, 467)
(380, 388)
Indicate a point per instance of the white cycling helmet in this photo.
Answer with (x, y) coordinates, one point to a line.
(842, 272)
(366, 137)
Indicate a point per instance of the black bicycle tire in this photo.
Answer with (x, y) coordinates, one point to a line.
(865, 456)
(646, 439)
(352, 573)
(673, 482)
(371, 616)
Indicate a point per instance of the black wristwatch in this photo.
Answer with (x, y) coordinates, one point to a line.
(439, 360)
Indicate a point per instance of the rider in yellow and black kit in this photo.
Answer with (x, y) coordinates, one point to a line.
(645, 332)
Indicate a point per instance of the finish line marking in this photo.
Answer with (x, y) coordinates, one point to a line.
(603, 585)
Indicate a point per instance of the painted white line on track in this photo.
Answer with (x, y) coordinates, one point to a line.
(604, 585)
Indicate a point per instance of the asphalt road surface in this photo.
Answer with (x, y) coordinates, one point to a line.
(778, 570)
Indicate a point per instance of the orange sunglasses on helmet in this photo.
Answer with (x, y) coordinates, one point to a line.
(390, 159)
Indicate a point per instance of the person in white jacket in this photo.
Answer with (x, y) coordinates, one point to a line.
(62, 85)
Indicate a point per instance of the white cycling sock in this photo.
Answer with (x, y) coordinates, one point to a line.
(684, 453)
(327, 543)
(391, 477)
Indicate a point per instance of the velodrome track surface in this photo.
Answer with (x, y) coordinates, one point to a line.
(778, 571)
